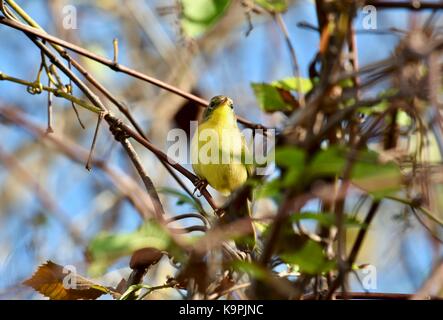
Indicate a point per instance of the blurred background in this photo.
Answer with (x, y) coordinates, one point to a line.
(222, 60)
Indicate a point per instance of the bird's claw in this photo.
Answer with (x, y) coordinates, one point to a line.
(200, 185)
(245, 256)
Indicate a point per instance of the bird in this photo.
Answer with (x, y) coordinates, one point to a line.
(220, 158)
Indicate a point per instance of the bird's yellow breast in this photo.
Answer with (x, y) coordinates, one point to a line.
(216, 151)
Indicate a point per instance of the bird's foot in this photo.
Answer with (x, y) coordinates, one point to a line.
(245, 256)
(200, 185)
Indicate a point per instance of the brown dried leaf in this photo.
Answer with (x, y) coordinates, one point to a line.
(144, 258)
(58, 283)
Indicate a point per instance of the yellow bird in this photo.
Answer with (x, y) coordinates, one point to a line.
(220, 157)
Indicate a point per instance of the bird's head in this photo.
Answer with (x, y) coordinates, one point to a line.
(219, 105)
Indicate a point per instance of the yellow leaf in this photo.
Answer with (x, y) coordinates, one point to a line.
(52, 281)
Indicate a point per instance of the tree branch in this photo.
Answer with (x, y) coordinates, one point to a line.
(117, 67)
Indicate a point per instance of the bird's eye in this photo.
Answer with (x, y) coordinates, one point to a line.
(232, 106)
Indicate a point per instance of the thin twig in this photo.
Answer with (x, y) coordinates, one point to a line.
(94, 140)
(50, 112)
(124, 184)
(161, 155)
(357, 245)
(55, 91)
(150, 188)
(118, 67)
(281, 23)
(45, 198)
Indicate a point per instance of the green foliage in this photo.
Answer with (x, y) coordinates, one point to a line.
(303, 85)
(404, 119)
(310, 259)
(382, 105)
(289, 157)
(250, 268)
(328, 162)
(182, 198)
(277, 96)
(200, 15)
(377, 108)
(270, 189)
(293, 160)
(368, 172)
(269, 98)
(134, 289)
(346, 83)
(273, 5)
(106, 247)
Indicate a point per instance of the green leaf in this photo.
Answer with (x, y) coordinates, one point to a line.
(303, 85)
(293, 160)
(273, 5)
(290, 157)
(310, 259)
(270, 189)
(346, 83)
(368, 165)
(250, 268)
(269, 98)
(106, 247)
(200, 15)
(277, 96)
(329, 162)
(133, 289)
(182, 198)
(376, 108)
(377, 178)
(404, 119)
(260, 226)
(381, 106)
(368, 172)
